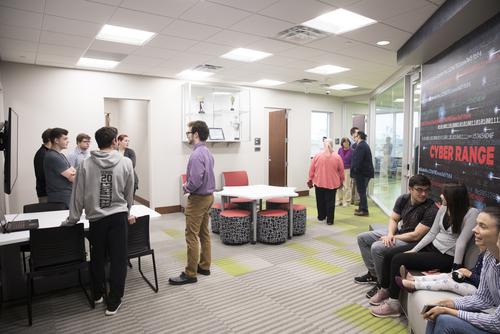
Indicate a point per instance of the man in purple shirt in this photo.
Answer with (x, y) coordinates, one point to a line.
(200, 185)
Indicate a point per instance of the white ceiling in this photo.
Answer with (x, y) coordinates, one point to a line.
(196, 32)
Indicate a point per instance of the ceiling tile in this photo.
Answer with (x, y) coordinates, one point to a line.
(277, 60)
(68, 26)
(55, 38)
(213, 14)
(184, 29)
(56, 60)
(137, 20)
(17, 56)
(252, 6)
(107, 46)
(210, 49)
(382, 9)
(233, 38)
(197, 59)
(301, 52)
(17, 45)
(147, 51)
(20, 18)
(261, 25)
(339, 3)
(411, 21)
(379, 32)
(172, 43)
(141, 61)
(31, 5)
(170, 8)
(58, 50)
(79, 10)
(108, 2)
(21, 33)
(271, 45)
(297, 11)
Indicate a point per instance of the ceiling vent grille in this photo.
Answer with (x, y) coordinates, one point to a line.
(301, 34)
(208, 67)
(306, 81)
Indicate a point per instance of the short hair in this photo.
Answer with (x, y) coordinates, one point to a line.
(105, 135)
(57, 133)
(419, 180)
(494, 212)
(354, 129)
(345, 139)
(201, 128)
(122, 136)
(46, 136)
(362, 135)
(81, 137)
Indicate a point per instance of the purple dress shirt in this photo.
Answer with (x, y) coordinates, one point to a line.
(346, 156)
(200, 171)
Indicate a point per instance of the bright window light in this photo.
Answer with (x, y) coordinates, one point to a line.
(268, 82)
(124, 35)
(246, 55)
(399, 100)
(342, 86)
(96, 63)
(195, 75)
(222, 93)
(339, 21)
(327, 69)
(383, 43)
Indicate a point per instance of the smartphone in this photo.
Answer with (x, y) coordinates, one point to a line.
(427, 307)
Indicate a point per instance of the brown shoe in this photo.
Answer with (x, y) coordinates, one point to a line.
(361, 213)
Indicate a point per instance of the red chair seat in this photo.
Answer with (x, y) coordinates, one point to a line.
(241, 200)
(226, 206)
(235, 213)
(273, 213)
(278, 200)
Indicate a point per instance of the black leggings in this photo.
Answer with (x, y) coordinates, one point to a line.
(427, 259)
(325, 202)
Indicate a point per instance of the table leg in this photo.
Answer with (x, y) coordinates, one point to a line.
(223, 202)
(290, 217)
(254, 219)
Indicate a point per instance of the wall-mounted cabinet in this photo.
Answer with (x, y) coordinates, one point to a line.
(225, 109)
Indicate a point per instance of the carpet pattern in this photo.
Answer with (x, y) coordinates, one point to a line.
(302, 286)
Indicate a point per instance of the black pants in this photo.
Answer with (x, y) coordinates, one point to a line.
(427, 259)
(325, 202)
(109, 236)
(361, 185)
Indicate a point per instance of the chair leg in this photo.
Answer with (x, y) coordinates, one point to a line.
(90, 300)
(154, 288)
(24, 261)
(28, 300)
(154, 270)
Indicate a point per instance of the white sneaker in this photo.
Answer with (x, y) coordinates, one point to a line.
(98, 301)
(112, 310)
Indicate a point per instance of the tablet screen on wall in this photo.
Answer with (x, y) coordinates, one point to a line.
(216, 134)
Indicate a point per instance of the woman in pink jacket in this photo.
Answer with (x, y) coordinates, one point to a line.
(327, 175)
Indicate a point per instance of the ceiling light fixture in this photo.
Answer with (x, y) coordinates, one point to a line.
(382, 43)
(96, 63)
(339, 21)
(327, 69)
(124, 35)
(194, 75)
(222, 93)
(268, 82)
(246, 55)
(342, 86)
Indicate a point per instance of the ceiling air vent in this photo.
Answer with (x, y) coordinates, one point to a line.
(300, 34)
(306, 81)
(208, 67)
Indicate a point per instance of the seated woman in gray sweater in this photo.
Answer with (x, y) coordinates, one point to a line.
(442, 248)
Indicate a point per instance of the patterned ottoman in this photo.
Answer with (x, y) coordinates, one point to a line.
(235, 227)
(299, 218)
(272, 226)
(215, 215)
(276, 203)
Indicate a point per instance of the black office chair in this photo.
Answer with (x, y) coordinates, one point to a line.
(139, 245)
(38, 207)
(56, 251)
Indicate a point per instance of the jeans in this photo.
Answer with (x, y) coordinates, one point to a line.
(361, 185)
(325, 202)
(448, 324)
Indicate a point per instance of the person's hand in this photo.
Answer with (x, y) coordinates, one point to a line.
(310, 184)
(388, 240)
(465, 272)
(131, 219)
(435, 311)
(446, 303)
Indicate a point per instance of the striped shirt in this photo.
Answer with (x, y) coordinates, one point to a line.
(487, 296)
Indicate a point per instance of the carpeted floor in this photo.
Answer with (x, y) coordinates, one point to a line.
(302, 286)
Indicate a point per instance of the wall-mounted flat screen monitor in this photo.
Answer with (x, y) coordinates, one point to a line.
(9, 144)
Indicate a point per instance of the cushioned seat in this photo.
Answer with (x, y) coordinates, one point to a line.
(242, 203)
(275, 203)
(299, 218)
(235, 179)
(235, 227)
(272, 226)
(215, 215)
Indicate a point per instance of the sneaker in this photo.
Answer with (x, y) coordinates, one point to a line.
(385, 310)
(372, 292)
(366, 279)
(379, 297)
(111, 310)
(361, 213)
(98, 301)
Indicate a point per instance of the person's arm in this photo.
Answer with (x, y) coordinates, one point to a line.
(415, 235)
(129, 186)
(312, 170)
(69, 174)
(131, 156)
(485, 321)
(465, 235)
(340, 170)
(389, 240)
(433, 232)
(195, 176)
(77, 197)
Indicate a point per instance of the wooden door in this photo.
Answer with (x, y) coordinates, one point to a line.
(278, 148)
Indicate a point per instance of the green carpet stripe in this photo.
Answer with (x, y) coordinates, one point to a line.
(348, 254)
(181, 255)
(321, 266)
(176, 234)
(360, 317)
(306, 250)
(232, 267)
(330, 241)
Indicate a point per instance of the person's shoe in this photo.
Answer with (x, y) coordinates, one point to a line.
(373, 291)
(205, 272)
(366, 279)
(345, 205)
(361, 213)
(182, 279)
(399, 282)
(379, 297)
(385, 310)
(327, 223)
(99, 300)
(111, 310)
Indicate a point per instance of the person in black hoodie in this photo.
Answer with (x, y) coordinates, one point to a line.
(362, 171)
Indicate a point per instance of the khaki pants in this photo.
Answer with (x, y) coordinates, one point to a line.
(197, 210)
(344, 195)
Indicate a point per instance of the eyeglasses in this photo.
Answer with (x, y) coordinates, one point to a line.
(187, 133)
(86, 141)
(422, 190)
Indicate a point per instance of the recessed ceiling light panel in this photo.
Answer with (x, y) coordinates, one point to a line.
(342, 86)
(194, 75)
(327, 69)
(124, 35)
(246, 55)
(339, 21)
(96, 63)
(268, 82)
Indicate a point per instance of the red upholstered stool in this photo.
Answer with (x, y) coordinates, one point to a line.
(275, 203)
(242, 203)
(215, 215)
(235, 226)
(299, 218)
(272, 226)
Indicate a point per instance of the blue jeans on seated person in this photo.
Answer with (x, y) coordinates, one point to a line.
(448, 324)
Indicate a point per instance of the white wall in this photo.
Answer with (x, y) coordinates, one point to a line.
(74, 99)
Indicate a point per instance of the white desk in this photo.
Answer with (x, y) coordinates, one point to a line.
(258, 192)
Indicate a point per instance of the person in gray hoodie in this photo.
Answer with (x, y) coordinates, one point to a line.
(104, 187)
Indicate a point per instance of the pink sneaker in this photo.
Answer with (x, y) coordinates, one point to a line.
(385, 310)
(379, 297)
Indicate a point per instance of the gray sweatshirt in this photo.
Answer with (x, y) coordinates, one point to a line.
(104, 185)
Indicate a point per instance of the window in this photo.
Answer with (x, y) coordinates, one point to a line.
(320, 127)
